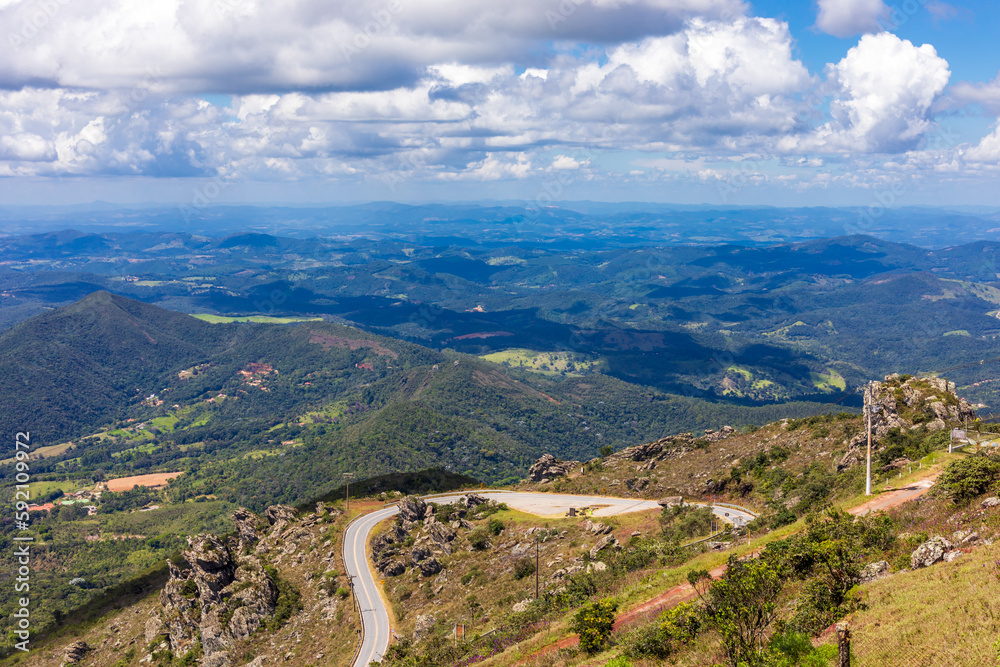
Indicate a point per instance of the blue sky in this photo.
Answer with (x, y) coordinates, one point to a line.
(689, 101)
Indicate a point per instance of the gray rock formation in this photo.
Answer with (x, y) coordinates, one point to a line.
(75, 652)
(929, 552)
(429, 567)
(897, 402)
(412, 509)
(548, 468)
(222, 595)
(602, 544)
(874, 571)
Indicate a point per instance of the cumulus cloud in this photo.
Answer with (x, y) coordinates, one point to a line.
(845, 18)
(253, 46)
(883, 91)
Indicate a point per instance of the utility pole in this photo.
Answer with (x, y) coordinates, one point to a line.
(348, 476)
(868, 413)
(536, 566)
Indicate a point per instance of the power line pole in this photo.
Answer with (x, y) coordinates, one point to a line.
(536, 566)
(348, 476)
(868, 413)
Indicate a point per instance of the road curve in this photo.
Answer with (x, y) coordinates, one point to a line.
(375, 615)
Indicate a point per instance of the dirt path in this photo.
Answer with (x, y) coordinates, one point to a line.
(896, 497)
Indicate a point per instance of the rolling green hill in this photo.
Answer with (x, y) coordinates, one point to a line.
(262, 413)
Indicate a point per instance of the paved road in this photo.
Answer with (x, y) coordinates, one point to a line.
(375, 616)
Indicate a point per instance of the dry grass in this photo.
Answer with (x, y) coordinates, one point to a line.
(944, 615)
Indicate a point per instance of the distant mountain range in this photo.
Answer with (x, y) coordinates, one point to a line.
(563, 225)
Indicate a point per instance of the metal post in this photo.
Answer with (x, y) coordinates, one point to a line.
(868, 412)
(536, 566)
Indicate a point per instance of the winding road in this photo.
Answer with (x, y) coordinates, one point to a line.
(375, 615)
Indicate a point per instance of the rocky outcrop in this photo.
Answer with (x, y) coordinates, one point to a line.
(874, 571)
(75, 652)
(442, 536)
(930, 552)
(602, 544)
(597, 528)
(412, 509)
(218, 595)
(246, 527)
(905, 404)
(472, 501)
(650, 453)
(721, 434)
(548, 468)
(425, 622)
(429, 567)
(391, 568)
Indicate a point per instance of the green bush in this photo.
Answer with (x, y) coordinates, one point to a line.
(594, 623)
(524, 567)
(967, 478)
(495, 526)
(479, 539)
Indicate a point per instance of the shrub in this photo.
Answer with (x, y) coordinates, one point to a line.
(495, 526)
(524, 567)
(343, 592)
(594, 623)
(967, 478)
(479, 539)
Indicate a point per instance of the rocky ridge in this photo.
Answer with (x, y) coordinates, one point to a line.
(905, 403)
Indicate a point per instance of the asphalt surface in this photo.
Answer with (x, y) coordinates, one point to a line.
(375, 615)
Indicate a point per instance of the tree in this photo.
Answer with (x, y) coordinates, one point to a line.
(594, 623)
(742, 605)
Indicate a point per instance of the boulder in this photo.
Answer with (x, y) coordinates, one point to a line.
(990, 502)
(279, 514)
(425, 622)
(429, 567)
(548, 468)
(390, 568)
(602, 544)
(75, 652)
(420, 553)
(412, 509)
(246, 526)
(471, 500)
(597, 528)
(929, 552)
(874, 571)
(670, 501)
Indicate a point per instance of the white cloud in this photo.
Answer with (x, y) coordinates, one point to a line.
(565, 163)
(845, 18)
(252, 46)
(884, 88)
(987, 150)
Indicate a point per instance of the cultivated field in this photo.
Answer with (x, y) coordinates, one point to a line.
(151, 481)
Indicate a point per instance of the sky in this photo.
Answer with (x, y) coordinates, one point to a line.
(722, 102)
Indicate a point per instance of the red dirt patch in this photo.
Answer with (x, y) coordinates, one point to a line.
(150, 481)
(483, 334)
(328, 341)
